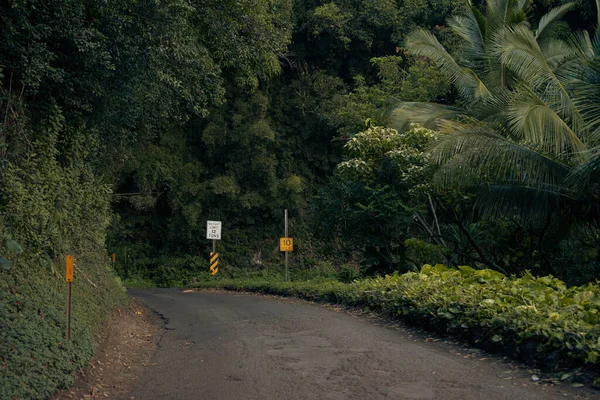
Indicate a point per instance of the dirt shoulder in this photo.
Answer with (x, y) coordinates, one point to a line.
(126, 345)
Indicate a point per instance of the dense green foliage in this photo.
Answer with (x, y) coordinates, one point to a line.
(522, 135)
(397, 133)
(509, 181)
(88, 93)
(538, 320)
(272, 144)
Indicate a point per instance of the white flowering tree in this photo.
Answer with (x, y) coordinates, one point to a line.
(379, 198)
(372, 152)
(386, 202)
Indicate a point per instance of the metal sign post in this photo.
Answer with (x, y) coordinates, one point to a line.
(286, 244)
(213, 231)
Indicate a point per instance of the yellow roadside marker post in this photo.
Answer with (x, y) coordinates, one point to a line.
(213, 232)
(69, 279)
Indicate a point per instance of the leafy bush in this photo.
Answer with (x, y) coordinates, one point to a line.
(537, 319)
(163, 271)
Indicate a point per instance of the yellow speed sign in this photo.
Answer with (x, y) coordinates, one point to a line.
(286, 244)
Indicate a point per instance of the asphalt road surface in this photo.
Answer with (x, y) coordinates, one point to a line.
(237, 346)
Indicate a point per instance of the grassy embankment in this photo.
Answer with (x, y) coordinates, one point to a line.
(35, 358)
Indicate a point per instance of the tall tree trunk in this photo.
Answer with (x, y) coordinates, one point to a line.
(478, 249)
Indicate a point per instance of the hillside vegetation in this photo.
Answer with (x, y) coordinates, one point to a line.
(49, 209)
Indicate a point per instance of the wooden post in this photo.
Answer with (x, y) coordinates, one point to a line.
(69, 279)
(69, 310)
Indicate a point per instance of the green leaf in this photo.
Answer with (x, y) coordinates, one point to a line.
(446, 315)
(47, 261)
(13, 247)
(496, 338)
(5, 264)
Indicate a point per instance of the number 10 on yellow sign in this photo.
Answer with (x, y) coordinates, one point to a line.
(286, 244)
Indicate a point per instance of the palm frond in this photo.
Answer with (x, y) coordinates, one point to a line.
(497, 12)
(588, 47)
(519, 51)
(549, 19)
(523, 5)
(507, 177)
(518, 200)
(493, 108)
(596, 41)
(533, 121)
(421, 43)
(560, 54)
(501, 13)
(480, 19)
(467, 27)
(583, 174)
(586, 94)
(472, 154)
(425, 114)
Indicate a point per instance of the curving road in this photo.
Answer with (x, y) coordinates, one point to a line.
(237, 346)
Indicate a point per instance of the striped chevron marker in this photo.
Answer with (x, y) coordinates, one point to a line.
(214, 261)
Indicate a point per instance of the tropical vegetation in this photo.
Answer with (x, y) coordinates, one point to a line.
(396, 134)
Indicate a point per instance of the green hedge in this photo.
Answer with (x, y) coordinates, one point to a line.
(539, 320)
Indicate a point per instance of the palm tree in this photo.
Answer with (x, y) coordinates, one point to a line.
(524, 132)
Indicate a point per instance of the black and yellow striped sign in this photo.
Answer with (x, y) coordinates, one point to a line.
(214, 261)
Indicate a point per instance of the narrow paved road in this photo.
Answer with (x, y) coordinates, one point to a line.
(234, 346)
